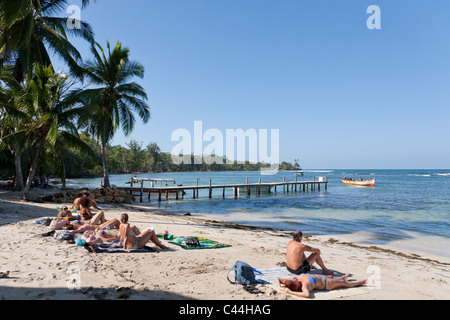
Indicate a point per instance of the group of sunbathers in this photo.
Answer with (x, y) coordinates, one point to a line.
(130, 237)
(297, 263)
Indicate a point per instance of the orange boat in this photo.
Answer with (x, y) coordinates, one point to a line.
(362, 183)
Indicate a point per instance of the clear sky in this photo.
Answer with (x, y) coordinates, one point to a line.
(341, 95)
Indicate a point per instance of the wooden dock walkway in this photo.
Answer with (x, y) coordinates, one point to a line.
(244, 188)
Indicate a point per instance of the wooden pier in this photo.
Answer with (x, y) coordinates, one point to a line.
(137, 187)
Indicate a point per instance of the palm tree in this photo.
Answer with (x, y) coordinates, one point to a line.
(50, 115)
(30, 31)
(11, 94)
(112, 102)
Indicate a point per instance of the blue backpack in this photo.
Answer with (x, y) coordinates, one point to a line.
(243, 274)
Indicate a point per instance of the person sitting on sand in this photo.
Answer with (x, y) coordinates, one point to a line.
(86, 214)
(77, 202)
(304, 284)
(296, 261)
(130, 240)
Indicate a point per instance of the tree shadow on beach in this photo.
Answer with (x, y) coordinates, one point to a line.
(85, 293)
(14, 210)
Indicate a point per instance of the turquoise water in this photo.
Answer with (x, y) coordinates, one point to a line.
(402, 202)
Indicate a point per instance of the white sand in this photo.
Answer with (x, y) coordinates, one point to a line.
(39, 265)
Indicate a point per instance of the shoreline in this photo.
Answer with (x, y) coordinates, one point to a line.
(38, 266)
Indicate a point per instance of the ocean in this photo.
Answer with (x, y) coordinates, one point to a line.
(403, 205)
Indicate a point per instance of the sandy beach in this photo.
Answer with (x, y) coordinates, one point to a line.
(40, 268)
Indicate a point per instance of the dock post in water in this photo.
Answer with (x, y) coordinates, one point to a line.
(210, 189)
(197, 186)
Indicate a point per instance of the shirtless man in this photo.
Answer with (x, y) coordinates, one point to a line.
(77, 202)
(296, 260)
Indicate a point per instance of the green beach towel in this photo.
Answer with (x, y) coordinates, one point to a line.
(203, 243)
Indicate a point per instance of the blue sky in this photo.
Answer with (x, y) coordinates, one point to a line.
(342, 96)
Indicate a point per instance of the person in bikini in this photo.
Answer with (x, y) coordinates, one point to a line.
(65, 214)
(86, 214)
(78, 226)
(296, 261)
(303, 285)
(130, 240)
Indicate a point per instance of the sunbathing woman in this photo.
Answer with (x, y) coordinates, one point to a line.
(130, 240)
(306, 283)
(86, 214)
(66, 214)
(113, 234)
(80, 227)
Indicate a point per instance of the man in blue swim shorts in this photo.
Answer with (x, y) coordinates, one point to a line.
(296, 261)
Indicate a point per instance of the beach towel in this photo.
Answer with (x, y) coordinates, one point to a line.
(109, 247)
(203, 243)
(268, 276)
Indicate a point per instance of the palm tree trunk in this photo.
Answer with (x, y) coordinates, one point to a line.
(34, 163)
(18, 181)
(106, 183)
(63, 170)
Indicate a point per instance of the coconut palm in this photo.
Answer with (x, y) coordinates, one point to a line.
(50, 115)
(11, 94)
(30, 31)
(110, 104)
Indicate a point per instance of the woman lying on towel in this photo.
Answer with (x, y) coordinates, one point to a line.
(130, 240)
(113, 234)
(78, 226)
(306, 283)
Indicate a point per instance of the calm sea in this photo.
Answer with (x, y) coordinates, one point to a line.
(403, 202)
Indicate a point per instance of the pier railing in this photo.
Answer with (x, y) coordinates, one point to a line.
(178, 192)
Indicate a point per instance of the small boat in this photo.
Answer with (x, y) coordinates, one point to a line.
(360, 182)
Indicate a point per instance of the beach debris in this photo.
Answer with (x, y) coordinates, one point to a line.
(4, 274)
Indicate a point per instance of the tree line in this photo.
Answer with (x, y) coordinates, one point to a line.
(134, 157)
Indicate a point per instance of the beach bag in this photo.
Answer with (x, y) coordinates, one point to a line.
(243, 274)
(79, 241)
(192, 242)
(57, 224)
(63, 235)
